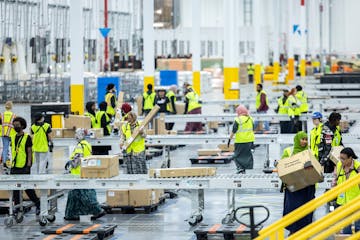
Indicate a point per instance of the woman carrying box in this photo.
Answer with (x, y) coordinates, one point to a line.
(294, 200)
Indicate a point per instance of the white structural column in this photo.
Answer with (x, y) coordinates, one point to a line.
(290, 46)
(259, 37)
(276, 37)
(148, 36)
(195, 44)
(231, 68)
(303, 34)
(77, 57)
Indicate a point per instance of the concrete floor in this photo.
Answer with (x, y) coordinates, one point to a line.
(169, 221)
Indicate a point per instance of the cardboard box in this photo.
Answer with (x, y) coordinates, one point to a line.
(341, 236)
(300, 170)
(117, 197)
(142, 198)
(96, 132)
(159, 193)
(335, 154)
(144, 123)
(213, 125)
(160, 125)
(100, 166)
(180, 107)
(57, 133)
(150, 132)
(68, 133)
(182, 172)
(139, 103)
(225, 148)
(4, 194)
(209, 152)
(77, 121)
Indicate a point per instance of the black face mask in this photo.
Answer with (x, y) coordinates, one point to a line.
(18, 129)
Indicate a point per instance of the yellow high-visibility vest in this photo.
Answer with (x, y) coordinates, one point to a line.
(245, 132)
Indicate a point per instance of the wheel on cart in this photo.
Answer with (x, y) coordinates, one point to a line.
(51, 218)
(9, 221)
(43, 221)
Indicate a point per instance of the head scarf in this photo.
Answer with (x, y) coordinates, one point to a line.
(242, 111)
(80, 134)
(297, 147)
(126, 108)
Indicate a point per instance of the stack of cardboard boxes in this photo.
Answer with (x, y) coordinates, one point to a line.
(133, 198)
(70, 124)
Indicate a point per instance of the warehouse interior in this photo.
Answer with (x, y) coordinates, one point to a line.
(179, 119)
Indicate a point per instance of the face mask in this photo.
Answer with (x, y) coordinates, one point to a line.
(17, 129)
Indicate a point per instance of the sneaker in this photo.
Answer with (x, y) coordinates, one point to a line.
(99, 215)
(240, 171)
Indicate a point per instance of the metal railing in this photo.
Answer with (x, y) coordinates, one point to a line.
(276, 231)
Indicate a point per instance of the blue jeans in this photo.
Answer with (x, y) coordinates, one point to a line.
(266, 123)
(347, 230)
(6, 143)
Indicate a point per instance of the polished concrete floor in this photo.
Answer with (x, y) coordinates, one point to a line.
(169, 221)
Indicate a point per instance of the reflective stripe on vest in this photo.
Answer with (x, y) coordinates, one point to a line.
(40, 142)
(245, 132)
(301, 95)
(99, 115)
(109, 109)
(7, 126)
(138, 145)
(352, 192)
(93, 119)
(18, 151)
(193, 101)
(258, 99)
(148, 100)
(337, 137)
(83, 148)
(315, 139)
(169, 106)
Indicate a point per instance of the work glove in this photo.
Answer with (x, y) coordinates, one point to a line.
(51, 146)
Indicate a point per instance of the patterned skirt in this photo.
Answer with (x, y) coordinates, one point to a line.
(82, 202)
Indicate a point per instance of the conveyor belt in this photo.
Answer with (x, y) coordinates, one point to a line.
(141, 181)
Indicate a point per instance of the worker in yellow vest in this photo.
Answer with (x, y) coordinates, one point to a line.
(283, 109)
(7, 129)
(148, 100)
(81, 201)
(103, 119)
(42, 144)
(315, 133)
(135, 153)
(250, 72)
(243, 130)
(294, 112)
(110, 99)
(302, 97)
(262, 105)
(90, 112)
(22, 159)
(331, 137)
(170, 107)
(192, 106)
(348, 167)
